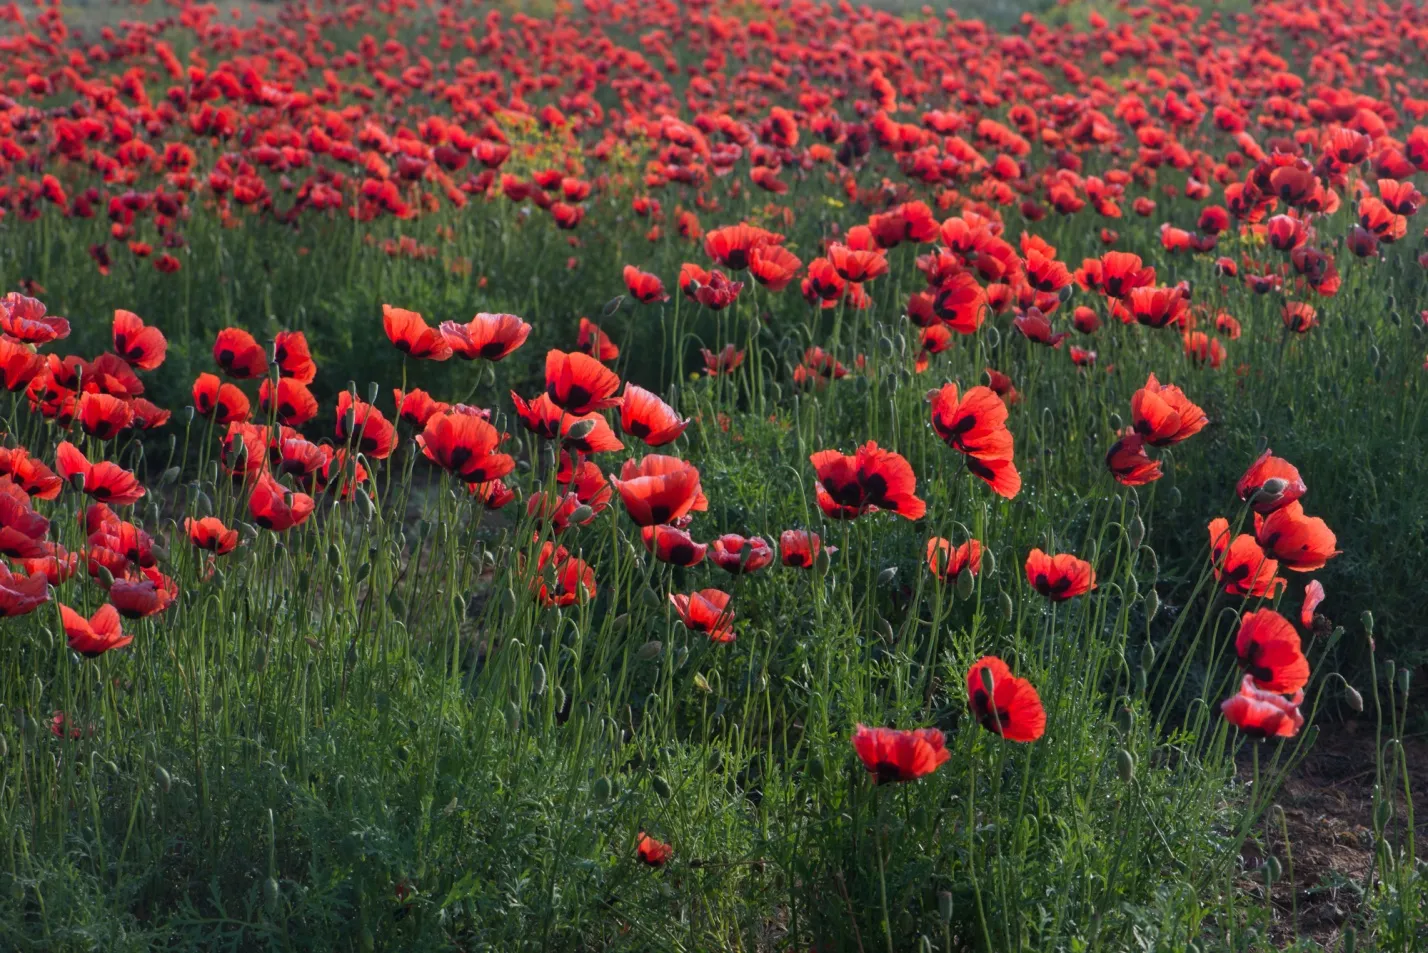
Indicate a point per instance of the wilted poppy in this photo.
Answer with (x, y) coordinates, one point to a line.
(893, 755)
(1012, 709)
(1269, 651)
(706, 611)
(96, 635)
(869, 480)
(1059, 577)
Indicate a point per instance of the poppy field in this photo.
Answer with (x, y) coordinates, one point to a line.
(751, 476)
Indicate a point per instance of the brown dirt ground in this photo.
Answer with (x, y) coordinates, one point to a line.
(1328, 809)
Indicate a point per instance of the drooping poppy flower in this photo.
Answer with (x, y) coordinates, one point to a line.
(103, 416)
(490, 337)
(210, 534)
(411, 335)
(652, 852)
(947, 562)
(147, 594)
(579, 383)
(891, 755)
(1270, 483)
(869, 480)
(137, 343)
(1013, 708)
(643, 286)
(645, 416)
(799, 548)
(1059, 577)
(275, 507)
(1262, 714)
(1299, 542)
(595, 342)
(706, 611)
(1241, 566)
(222, 401)
(465, 445)
(22, 594)
(1129, 463)
(1313, 596)
(725, 361)
(736, 554)
(416, 406)
(239, 355)
(1269, 651)
(293, 357)
(659, 489)
(105, 481)
(96, 635)
(1163, 415)
(295, 404)
(672, 545)
(24, 319)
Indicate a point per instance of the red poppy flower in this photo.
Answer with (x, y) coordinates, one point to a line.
(1269, 651)
(416, 406)
(1013, 708)
(572, 578)
(1129, 464)
(222, 401)
(295, 404)
(799, 548)
(595, 342)
(1044, 272)
(1164, 415)
(712, 289)
(857, 266)
(19, 364)
(871, 479)
(103, 416)
(1300, 317)
(1035, 326)
(465, 445)
(366, 426)
(106, 482)
(147, 594)
(21, 594)
(1159, 307)
(96, 635)
(1059, 577)
(136, 343)
(706, 611)
(579, 383)
(1313, 596)
(823, 286)
(490, 337)
(643, 286)
(659, 489)
(1299, 542)
(294, 359)
(736, 554)
(493, 494)
(820, 367)
(24, 319)
(1122, 273)
(209, 533)
(653, 852)
(239, 355)
(1262, 714)
(672, 545)
(947, 562)
(411, 335)
(29, 474)
(147, 415)
(1241, 566)
(725, 361)
(275, 507)
(547, 421)
(961, 302)
(773, 266)
(1270, 483)
(733, 245)
(891, 755)
(645, 416)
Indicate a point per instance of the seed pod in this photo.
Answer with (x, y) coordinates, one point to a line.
(1135, 532)
(650, 650)
(661, 787)
(1125, 765)
(580, 429)
(965, 584)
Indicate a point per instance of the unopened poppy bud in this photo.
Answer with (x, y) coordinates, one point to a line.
(1152, 606)
(965, 584)
(816, 769)
(1147, 656)
(822, 561)
(272, 894)
(1272, 868)
(886, 577)
(106, 578)
(1405, 676)
(581, 429)
(513, 717)
(661, 787)
(1125, 719)
(702, 683)
(1006, 604)
(4, 747)
(76, 480)
(885, 630)
(1125, 765)
(621, 622)
(1064, 293)
(989, 681)
(650, 650)
(169, 477)
(538, 679)
(649, 597)
(582, 514)
(1116, 422)
(1141, 679)
(374, 390)
(1135, 532)
(613, 305)
(885, 344)
(1356, 701)
(164, 779)
(602, 789)
(1175, 496)
(508, 601)
(349, 420)
(944, 907)
(1132, 589)
(260, 659)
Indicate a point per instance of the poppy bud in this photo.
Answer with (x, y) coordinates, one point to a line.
(622, 622)
(612, 305)
(557, 698)
(702, 683)
(965, 584)
(1006, 604)
(1064, 293)
(582, 514)
(886, 577)
(816, 769)
(538, 679)
(1140, 681)
(602, 789)
(885, 629)
(661, 787)
(1175, 496)
(1152, 606)
(1125, 719)
(169, 477)
(1125, 765)
(1132, 589)
(1116, 423)
(260, 659)
(649, 597)
(1272, 868)
(1356, 701)
(944, 907)
(272, 894)
(374, 391)
(650, 650)
(202, 505)
(513, 717)
(164, 780)
(989, 563)
(188, 415)
(106, 578)
(989, 682)
(822, 561)
(1147, 656)
(4, 747)
(581, 429)
(1135, 532)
